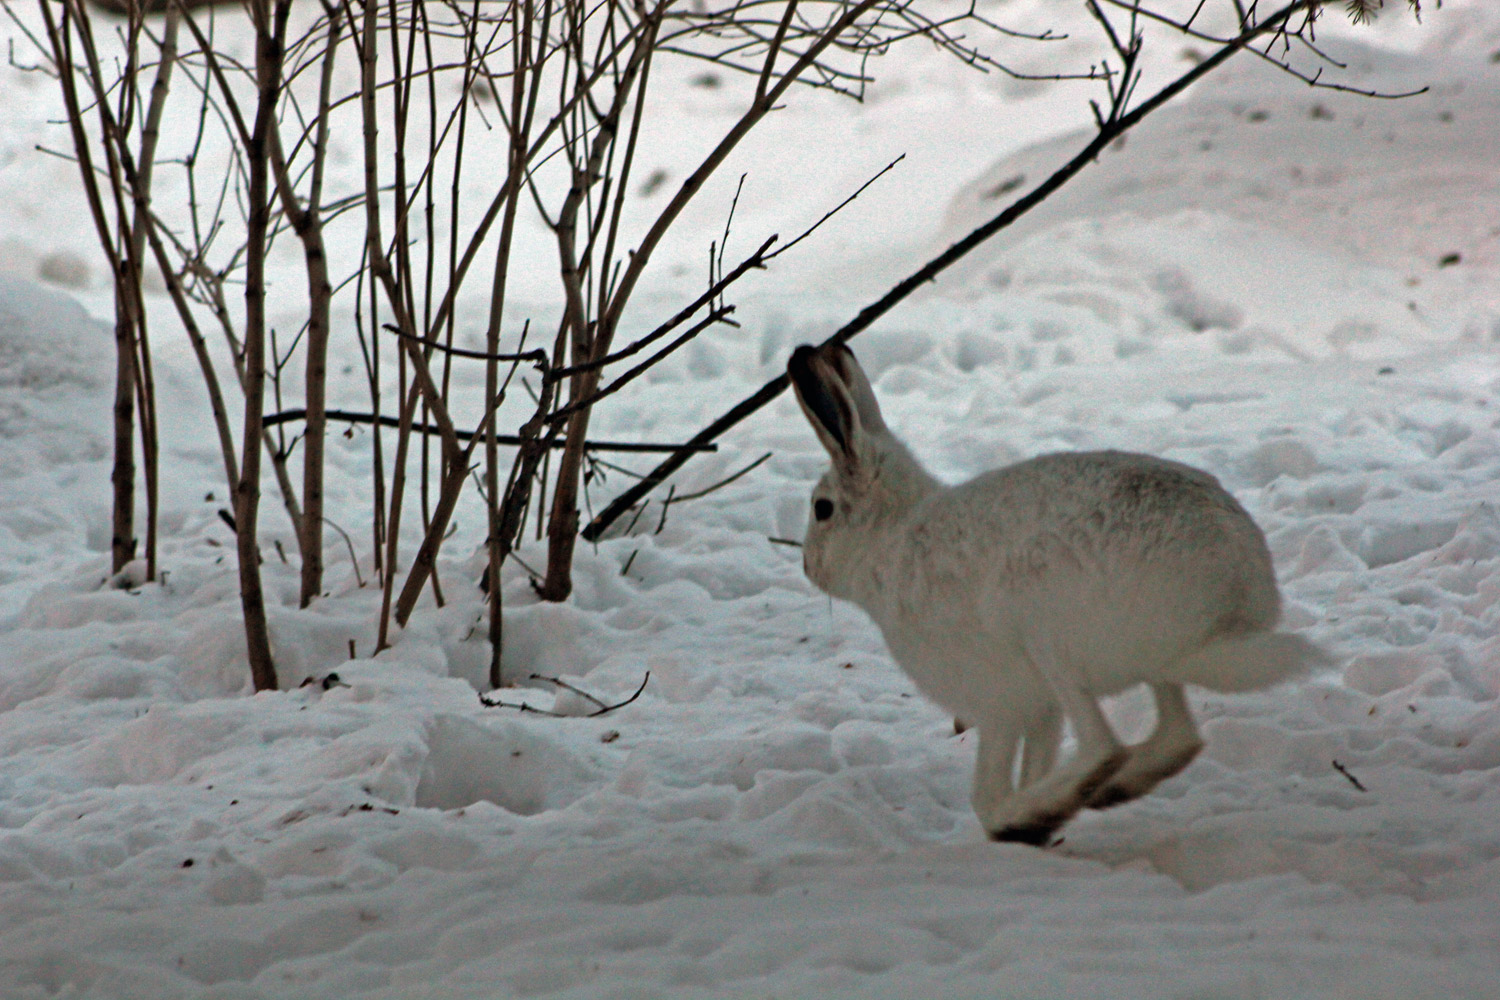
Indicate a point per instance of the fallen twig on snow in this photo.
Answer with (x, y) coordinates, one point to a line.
(1341, 769)
(603, 709)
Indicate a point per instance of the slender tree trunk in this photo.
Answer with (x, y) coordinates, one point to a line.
(270, 24)
(525, 53)
(122, 476)
(141, 191)
(320, 294)
(306, 221)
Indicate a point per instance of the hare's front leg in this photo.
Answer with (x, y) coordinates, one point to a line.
(1035, 812)
(995, 764)
(1171, 747)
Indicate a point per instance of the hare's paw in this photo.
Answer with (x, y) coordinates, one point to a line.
(1034, 814)
(1147, 766)
(1037, 834)
(1171, 747)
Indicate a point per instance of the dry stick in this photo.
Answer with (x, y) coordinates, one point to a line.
(612, 233)
(200, 351)
(61, 41)
(353, 559)
(540, 440)
(725, 481)
(564, 685)
(776, 42)
(446, 324)
(1341, 769)
(1115, 126)
(719, 315)
(404, 290)
(754, 261)
(402, 83)
(538, 356)
(456, 471)
(1186, 28)
(672, 496)
(130, 306)
(470, 73)
(426, 558)
(377, 446)
(666, 506)
(835, 210)
(403, 425)
(490, 702)
(424, 385)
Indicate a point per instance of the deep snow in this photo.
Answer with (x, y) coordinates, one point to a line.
(1255, 284)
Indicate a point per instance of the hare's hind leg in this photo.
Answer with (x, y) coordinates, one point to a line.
(1035, 812)
(1043, 734)
(1171, 747)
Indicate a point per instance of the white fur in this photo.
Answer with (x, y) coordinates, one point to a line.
(1024, 595)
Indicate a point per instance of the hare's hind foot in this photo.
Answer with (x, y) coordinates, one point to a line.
(1171, 747)
(1038, 834)
(1053, 795)
(1034, 814)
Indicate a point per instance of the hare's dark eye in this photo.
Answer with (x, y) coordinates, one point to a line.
(822, 508)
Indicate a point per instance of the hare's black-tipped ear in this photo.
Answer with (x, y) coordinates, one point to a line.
(855, 382)
(824, 400)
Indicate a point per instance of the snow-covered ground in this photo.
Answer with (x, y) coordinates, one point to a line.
(1298, 291)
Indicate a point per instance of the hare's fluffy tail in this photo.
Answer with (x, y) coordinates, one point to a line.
(1251, 661)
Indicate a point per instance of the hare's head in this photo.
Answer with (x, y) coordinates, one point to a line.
(872, 482)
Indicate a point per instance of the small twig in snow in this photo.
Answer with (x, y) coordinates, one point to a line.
(666, 505)
(353, 560)
(723, 482)
(603, 709)
(1341, 769)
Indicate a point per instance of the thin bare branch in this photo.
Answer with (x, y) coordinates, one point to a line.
(489, 701)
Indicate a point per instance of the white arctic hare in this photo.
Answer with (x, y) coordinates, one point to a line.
(1027, 593)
